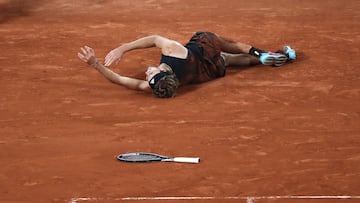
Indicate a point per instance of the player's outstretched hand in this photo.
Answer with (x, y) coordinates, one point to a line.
(87, 55)
(114, 56)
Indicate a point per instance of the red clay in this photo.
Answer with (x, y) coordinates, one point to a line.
(260, 131)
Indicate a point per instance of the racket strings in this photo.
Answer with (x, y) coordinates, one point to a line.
(141, 157)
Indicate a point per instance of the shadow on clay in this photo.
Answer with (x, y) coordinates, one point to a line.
(12, 9)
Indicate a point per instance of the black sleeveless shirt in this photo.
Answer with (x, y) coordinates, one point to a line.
(176, 64)
(185, 69)
(203, 62)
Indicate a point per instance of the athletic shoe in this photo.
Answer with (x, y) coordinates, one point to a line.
(289, 52)
(273, 59)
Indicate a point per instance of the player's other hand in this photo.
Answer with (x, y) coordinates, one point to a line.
(114, 56)
(87, 55)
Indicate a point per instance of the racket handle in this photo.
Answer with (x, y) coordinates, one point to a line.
(187, 160)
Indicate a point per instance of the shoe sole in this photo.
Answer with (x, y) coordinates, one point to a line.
(290, 52)
(292, 55)
(275, 60)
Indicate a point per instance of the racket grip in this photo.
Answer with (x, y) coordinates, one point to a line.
(187, 160)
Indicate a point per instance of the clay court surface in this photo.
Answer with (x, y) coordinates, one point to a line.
(260, 131)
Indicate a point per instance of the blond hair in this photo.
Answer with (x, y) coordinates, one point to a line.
(167, 86)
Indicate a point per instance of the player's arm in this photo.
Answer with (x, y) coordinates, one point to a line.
(171, 47)
(168, 47)
(88, 56)
(131, 83)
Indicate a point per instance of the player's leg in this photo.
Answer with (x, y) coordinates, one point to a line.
(265, 57)
(239, 59)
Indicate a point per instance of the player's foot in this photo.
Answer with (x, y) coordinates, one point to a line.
(289, 52)
(273, 59)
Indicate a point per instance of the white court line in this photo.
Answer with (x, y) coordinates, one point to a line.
(248, 199)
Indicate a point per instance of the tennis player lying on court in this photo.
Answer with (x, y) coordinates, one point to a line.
(205, 57)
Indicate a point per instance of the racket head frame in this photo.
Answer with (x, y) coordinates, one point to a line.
(127, 157)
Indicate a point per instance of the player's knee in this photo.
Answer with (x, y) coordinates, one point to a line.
(225, 58)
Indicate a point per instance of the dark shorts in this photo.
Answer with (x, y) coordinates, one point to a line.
(205, 62)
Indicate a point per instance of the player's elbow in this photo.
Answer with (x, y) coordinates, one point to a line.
(159, 41)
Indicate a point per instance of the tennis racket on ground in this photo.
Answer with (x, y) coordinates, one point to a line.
(149, 157)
